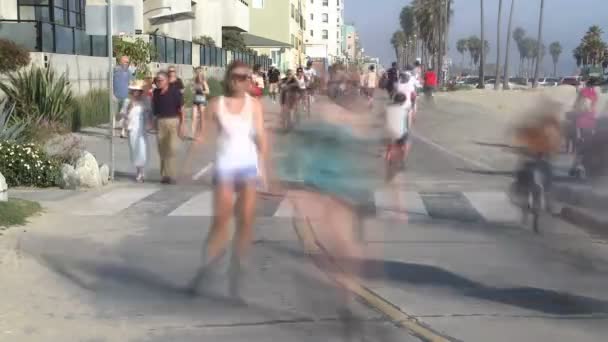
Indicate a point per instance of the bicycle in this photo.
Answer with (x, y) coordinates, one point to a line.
(529, 190)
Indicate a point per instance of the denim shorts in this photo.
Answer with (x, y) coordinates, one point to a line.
(237, 177)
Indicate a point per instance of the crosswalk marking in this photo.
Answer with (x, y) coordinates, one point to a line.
(493, 206)
(111, 202)
(199, 205)
(398, 204)
(285, 209)
(390, 204)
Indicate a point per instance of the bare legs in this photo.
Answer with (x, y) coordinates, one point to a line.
(198, 111)
(219, 234)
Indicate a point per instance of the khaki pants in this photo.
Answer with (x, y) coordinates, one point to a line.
(168, 140)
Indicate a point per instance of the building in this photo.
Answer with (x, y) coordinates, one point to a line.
(350, 42)
(277, 30)
(55, 33)
(323, 37)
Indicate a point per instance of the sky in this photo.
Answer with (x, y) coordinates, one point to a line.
(565, 21)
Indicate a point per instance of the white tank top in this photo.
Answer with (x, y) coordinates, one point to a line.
(236, 147)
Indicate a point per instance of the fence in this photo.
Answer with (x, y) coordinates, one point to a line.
(214, 56)
(53, 38)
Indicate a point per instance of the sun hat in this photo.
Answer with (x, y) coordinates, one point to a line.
(136, 85)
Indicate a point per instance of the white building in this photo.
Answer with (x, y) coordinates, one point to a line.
(323, 38)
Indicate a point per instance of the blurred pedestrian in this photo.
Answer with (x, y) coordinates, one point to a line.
(136, 128)
(257, 80)
(200, 88)
(239, 165)
(274, 76)
(123, 75)
(167, 104)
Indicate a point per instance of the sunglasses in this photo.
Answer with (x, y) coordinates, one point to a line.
(171, 71)
(241, 77)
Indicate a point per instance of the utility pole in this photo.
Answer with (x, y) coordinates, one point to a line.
(110, 85)
(538, 46)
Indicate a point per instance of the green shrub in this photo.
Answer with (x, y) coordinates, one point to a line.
(39, 94)
(216, 87)
(90, 110)
(12, 56)
(27, 165)
(10, 130)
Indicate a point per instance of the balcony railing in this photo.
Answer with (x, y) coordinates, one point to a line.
(53, 38)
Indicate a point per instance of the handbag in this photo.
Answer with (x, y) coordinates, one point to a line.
(200, 99)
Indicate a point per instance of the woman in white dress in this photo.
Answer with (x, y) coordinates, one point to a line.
(136, 127)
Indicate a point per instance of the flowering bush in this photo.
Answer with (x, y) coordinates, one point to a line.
(27, 165)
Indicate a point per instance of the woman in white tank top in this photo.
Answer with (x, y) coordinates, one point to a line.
(240, 157)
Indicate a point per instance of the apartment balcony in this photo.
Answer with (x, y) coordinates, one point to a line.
(235, 15)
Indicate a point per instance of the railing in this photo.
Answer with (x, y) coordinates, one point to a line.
(53, 38)
(171, 50)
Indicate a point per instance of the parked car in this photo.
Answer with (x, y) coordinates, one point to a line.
(548, 82)
(571, 80)
(522, 81)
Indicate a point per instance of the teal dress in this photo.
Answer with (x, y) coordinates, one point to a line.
(329, 159)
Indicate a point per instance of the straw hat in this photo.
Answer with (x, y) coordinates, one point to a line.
(137, 85)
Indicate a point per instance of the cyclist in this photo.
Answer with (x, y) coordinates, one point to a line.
(290, 94)
(311, 74)
(538, 139)
(392, 76)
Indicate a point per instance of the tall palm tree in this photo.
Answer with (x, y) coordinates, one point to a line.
(408, 25)
(398, 42)
(474, 46)
(555, 49)
(518, 36)
(539, 49)
(461, 47)
(497, 79)
(505, 78)
(482, 54)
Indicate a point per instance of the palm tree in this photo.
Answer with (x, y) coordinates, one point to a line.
(518, 36)
(555, 49)
(529, 47)
(483, 53)
(505, 78)
(398, 41)
(462, 47)
(474, 46)
(497, 79)
(539, 49)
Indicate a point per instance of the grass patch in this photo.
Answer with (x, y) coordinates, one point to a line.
(15, 212)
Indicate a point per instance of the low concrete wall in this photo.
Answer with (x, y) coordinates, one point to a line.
(86, 73)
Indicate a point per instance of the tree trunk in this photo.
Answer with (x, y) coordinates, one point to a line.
(497, 80)
(540, 34)
(482, 59)
(554, 69)
(505, 80)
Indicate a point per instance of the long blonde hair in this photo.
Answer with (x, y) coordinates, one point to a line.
(199, 77)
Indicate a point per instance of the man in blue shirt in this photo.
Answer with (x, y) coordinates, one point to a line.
(123, 74)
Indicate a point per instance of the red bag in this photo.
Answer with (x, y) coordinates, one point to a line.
(257, 91)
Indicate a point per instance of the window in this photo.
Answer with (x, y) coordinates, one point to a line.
(312, 16)
(338, 34)
(325, 18)
(312, 33)
(325, 2)
(258, 4)
(293, 40)
(338, 3)
(62, 12)
(293, 11)
(297, 16)
(325, 34)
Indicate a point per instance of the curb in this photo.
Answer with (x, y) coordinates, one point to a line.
(306, 235)
(584, 218)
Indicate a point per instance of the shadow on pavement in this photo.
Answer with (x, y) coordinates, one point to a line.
(542, 300)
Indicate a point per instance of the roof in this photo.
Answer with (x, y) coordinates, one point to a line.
(259, 42)
(171, 17)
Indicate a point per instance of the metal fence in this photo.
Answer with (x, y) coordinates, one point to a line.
(54, 38)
